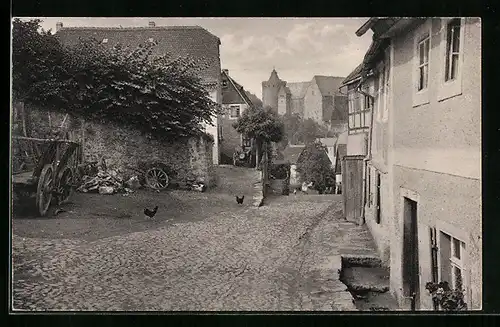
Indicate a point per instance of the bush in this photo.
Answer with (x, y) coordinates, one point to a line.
(279, 171)
(445, 297)
(314, 165)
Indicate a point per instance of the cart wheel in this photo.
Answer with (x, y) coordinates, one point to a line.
(65, 183)
(44, 190)
(156, 178)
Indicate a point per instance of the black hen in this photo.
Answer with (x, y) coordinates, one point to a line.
(239, 200)
(150, 213)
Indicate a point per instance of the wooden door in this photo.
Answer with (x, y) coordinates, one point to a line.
(378, 198)
(352, 180)
(411, 276)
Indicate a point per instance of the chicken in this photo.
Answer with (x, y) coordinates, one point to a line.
(150, 213)
(239, 200)
(200, 187)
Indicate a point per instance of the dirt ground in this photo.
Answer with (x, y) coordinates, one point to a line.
(95, 216)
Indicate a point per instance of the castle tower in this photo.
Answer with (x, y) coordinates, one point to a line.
(270, 90)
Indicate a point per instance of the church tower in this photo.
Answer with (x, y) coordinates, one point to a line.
(270, 90)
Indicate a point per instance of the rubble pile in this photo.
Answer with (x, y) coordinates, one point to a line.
(107, 181)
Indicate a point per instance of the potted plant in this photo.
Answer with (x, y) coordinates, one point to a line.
(445, 298)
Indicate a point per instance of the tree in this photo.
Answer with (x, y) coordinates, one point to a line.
(291, 123)
(309, 131)
(314, 165)
(160, 96)
(261, 124)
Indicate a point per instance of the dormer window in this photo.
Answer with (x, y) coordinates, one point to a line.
(104, 40)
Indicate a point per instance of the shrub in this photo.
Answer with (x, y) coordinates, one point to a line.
(314, 165)
(445, 297)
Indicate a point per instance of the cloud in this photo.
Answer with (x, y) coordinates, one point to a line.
(299, 48)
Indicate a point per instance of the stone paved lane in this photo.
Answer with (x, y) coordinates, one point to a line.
(282, 256)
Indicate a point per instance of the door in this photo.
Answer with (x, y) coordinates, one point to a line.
(352, 180)
(411, 280)
(378, 198)
(434, 259)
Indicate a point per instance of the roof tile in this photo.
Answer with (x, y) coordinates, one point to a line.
(193, 42)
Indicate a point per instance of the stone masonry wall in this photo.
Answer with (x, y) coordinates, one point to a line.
(123, 148)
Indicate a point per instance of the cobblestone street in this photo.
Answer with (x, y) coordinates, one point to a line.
(283, 256)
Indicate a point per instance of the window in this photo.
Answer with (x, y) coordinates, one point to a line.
(150, 39)
(359, 107)
(452, 251)
(423, 63)
(452, 49)
(224, 83)
(234, 112)
(220, 134)
(381, 94)
(246, 142)
(104, 40)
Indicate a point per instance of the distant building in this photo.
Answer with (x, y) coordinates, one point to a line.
(318, 99)
(292, 154)
(234, 102)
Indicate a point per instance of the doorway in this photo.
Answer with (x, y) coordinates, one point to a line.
(377, 217)
(352, 184)
(411, 280)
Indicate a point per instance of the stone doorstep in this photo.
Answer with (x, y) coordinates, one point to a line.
(360, 260)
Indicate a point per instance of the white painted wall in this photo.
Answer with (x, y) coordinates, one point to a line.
(356, 144)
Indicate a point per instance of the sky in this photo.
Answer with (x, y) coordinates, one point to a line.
(298, 48)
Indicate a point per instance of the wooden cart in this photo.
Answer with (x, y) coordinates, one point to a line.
(53, 176)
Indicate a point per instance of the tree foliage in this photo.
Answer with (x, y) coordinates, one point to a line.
(314, 165)
(159, 95)
(262, 124)
(301, 131)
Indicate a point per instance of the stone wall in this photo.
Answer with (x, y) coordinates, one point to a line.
(125, 148)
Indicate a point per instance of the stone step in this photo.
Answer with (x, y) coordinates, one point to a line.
(365, 259)
(360, 280)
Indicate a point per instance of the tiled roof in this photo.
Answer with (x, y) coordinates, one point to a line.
(328, 141)
(298, 90)
(255, 100)
(328, 85)
(240, 90)
(292, 153)
(353, 75)
(179, 41)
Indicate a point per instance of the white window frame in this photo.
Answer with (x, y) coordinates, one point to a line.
(104, 40)
(422, 33)
(357, 117)
(451, 88)
(231, 107)
(242, 138)
(380, 92)
(461, 235)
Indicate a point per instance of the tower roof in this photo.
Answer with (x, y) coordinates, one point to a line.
(274, 76)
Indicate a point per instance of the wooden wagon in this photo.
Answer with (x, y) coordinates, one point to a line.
(52, 176)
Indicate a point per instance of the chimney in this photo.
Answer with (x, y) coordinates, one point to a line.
(59, 25)
(226, 71)
(152, 24)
